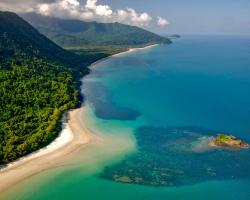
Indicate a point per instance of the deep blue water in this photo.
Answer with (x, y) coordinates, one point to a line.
(185, 92)
(196, 81)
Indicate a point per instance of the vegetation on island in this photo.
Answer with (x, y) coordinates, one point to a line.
(224, 140)
(39, 80)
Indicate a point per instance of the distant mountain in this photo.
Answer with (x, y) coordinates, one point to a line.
(76, 33)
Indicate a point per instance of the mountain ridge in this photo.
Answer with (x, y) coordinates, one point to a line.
(74, 33)
(15, 29)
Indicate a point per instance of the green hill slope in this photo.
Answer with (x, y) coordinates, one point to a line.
(36, 86)
(21, 38)
(77, 34)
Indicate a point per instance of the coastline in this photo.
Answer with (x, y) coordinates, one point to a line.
(122, 53)
(65, 137)
(135, 49)
(73, 136)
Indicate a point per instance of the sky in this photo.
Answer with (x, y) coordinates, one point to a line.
(161, 16)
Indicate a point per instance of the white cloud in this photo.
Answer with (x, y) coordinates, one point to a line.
(74, 9)
(138, 18)
(161, 21)
(93, 11)
(100, 10)
(43, 8)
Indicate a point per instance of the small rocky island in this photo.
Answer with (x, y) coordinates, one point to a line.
(224, 140)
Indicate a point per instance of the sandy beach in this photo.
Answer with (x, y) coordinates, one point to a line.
(122, 53)
(135, 49)
(74, 135)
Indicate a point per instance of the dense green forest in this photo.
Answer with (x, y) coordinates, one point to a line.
(33, 97)
(84, 35)
(39, 81)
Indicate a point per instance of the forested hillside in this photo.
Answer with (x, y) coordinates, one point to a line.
(36, 87)
(80, 34)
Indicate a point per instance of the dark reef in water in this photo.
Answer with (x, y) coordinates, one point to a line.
(169, 157)
(104, 106)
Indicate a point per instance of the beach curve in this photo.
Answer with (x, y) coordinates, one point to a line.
(73, 136)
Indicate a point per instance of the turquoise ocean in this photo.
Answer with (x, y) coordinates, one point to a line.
(155, 110)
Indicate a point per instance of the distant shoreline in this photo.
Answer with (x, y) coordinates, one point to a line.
(74, 135)
(121, 53)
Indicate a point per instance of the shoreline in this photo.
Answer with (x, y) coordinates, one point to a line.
(74, 135)
(64, 137)
(77, 134)
(135, 49)
(122, 53)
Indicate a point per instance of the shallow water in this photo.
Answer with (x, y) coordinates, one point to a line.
(155, 110)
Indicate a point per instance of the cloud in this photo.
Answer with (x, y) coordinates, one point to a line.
(162, 22)
(99, 10)
(93, 11)
(74, 9)
(22, 5)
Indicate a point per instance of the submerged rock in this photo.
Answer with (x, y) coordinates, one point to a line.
(224, 140)
(123, 179)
